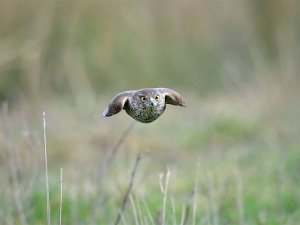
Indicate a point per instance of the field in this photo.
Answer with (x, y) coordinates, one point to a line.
(232, 156)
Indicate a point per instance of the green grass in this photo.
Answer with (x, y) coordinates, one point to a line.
(244, 175)
(269, 193)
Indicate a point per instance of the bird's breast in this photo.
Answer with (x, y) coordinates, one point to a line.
(143, 113)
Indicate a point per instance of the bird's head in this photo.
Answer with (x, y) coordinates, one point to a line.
(149, 98)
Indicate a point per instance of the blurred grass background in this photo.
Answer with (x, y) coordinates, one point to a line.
(235, 62)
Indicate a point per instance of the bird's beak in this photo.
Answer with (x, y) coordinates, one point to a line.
(152, 102)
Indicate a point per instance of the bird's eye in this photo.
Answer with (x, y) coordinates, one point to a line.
(157, 97)
(143, 98)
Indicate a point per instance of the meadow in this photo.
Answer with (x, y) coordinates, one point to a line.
(232, 156)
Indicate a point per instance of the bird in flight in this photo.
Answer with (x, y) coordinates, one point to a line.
(144, 105)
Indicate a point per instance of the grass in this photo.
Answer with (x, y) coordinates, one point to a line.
(214, 180)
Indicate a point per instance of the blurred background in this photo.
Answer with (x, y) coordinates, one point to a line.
(233, 153)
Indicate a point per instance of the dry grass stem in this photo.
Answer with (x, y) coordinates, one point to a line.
(120, 142)
(134, 210)
(61, 195)
(123, 219)
(13, 167)
(46, 169)
(140, 214)
(213, 199)
(182, 215)
(165, 192)
(239, 196)
(186, 214)
(195, 195)
(128, 191)
(111, 154)
(148, 212)
(173, 210)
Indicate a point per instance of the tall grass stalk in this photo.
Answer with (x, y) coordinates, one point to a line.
(111, 154)
(61, 195)
(195, 196)
(143, 219)
(213, 199)
(13, 155)
(148, 212)
(186, 213)
(239, 196)
(135, 214)
(183, 215)
(123, 219)
(164, 190)
(46, 169)
(129, 188)
(173, 211)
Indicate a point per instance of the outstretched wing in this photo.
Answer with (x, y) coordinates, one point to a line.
(172, 97)
(117, 103)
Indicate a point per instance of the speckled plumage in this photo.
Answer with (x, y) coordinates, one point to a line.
(144, 105)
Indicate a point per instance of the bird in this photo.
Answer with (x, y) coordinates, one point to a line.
(144, 105)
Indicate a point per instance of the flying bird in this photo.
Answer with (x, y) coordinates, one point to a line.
(144, 105)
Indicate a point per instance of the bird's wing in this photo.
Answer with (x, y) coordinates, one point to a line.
(172, 97)
(117, 103)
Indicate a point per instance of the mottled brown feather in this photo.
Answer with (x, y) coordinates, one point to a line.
(172, 97)
(117, 103)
